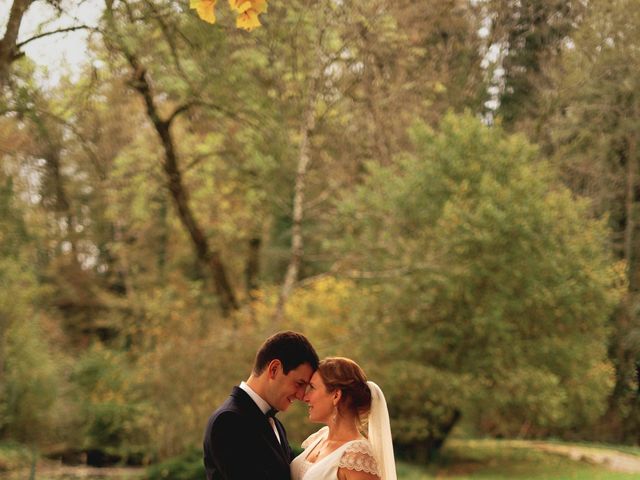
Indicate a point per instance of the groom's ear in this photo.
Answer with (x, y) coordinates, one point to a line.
(272, 368)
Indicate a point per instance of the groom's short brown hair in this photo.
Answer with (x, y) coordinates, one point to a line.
(291, 348)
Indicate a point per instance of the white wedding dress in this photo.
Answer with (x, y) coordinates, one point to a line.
(354, 455)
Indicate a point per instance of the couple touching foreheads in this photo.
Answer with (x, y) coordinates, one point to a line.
(245, 441)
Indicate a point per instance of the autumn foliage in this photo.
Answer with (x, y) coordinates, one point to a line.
(247, 10)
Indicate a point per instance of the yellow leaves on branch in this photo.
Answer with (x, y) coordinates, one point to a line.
(248, 11)
(206, 9)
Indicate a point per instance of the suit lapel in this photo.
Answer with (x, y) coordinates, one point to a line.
(284, 446)
(262, 424)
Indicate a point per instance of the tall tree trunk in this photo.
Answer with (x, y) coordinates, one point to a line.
(297, 241)
(210, 259)
(253, 266)
(53, 188)
(624, 355)
(630, 227)
(163, 238)
(8, 51)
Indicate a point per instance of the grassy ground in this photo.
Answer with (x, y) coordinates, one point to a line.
(490, 460)
(460, 460)
(620, 448)
(14, 455)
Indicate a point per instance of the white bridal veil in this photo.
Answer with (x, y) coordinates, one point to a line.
(380, 433)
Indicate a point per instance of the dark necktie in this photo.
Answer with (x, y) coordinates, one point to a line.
(271, 413)
(271, 416)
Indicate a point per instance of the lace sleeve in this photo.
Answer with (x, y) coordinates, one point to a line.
(313, 437)
(359, 456)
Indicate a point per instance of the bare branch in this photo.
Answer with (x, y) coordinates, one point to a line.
(53, 32)
(179, 110)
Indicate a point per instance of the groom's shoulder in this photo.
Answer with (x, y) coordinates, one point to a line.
(230, 408)
(228, 419)
(230, 404)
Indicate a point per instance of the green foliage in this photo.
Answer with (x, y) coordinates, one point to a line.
(468, 282)
(112, 412)
(13, 231)
(531, 35)
(188, 466)
(14, 456)
(29, 369)
(594, 137)
(501, 286)
(30, 385)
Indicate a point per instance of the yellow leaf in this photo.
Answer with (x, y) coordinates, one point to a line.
(249, 11)
(235, 4)
(205, 9)
(248, 20)
(259, 6)
(243, 6)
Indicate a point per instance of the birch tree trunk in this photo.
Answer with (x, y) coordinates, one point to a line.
(297, 240)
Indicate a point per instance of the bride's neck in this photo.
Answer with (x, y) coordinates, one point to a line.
(343, 429)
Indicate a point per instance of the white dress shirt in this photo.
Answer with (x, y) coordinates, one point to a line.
(262, 404)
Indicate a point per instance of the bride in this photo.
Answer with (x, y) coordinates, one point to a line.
(340, 397)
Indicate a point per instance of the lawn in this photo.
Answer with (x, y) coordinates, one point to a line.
(460, 460)
(492, 460)
(14, 455)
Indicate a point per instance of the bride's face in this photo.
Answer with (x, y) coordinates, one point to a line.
(321, 402)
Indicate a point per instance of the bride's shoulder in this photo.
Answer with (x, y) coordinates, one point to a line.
(315, 436)
(359, 456)
(362, 445)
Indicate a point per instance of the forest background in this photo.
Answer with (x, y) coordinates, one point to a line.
(446, 191)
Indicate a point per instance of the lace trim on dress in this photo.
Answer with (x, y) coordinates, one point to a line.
(313, 437)
(358, 456)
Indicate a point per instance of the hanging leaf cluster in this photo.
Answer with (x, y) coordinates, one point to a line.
(247, 10)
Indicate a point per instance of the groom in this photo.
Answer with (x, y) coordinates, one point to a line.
(243, 439)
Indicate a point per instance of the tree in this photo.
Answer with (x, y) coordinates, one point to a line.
(10, 48)
(373, 68)
(594, 137)
(210, 258)
(489, 288)
(29, 373)
(8, 51)
(529, 36)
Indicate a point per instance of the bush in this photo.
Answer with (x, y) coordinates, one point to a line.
(14, 456)
(113, 412)
(30, 384)
(188, 466)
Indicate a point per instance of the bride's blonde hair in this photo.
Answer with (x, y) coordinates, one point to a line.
(340, 373)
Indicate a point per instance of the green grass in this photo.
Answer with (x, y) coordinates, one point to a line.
(631, 450)
(188, 466)
(460, 460)
(492, 460)
(13, 456)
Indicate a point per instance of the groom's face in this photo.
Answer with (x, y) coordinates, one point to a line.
(285, 388)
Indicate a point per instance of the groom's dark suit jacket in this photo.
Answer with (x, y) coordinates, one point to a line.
(239, 443)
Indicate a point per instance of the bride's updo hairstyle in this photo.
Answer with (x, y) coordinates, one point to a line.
(343, 374)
